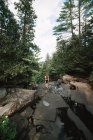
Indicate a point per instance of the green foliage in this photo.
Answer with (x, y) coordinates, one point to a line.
(44, 68)
(38, 77)
(72, 59)
(40, 74)
(65, 19)
(7, 131)
(18, 53)
(75, 54)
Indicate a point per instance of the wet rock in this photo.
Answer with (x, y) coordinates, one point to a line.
(87, 96)
(3, 93)
(44, 113)
(22, 136)
(33, 86)
(48, 130)
(79, 97)
(72, 87)
(59, 82)
(59, 91)
(40, 128)
(27, 112)
(74, 95)
(20, 122)
(46, 109)
(31, 134)
(80, 125)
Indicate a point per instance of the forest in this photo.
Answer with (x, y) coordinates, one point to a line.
(74, 53)
(74, 35)
(18, 52)
(29, 105)
(19, 59)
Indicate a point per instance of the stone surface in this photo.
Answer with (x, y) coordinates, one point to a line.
(78, 96)
(31, 134)
(83, 94)
(87, 96)
(80, 125)
(68, 78)
(27, 112)
(3, 93)
(44, 112)
(50, 130)
(17, 101)
(20, 122)
(7, 109)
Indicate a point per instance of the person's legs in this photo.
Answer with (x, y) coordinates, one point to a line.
(46, 83)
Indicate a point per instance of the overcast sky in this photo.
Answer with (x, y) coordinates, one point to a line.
(47, 12)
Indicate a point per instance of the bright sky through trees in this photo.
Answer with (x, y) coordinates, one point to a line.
(47, 12)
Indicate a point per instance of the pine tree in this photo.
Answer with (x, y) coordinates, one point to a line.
(17, 50)
(28, 49)
(9, 38)
(65, 19)
(74, 56)
(27, 19)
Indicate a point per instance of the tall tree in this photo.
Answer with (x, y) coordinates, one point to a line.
(9, 38)
(27, 19)
(17, 50)
(71, 18)
(65, 19)
(79, 7)
(75, 55)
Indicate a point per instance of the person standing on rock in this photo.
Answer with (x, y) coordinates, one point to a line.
(46, 81)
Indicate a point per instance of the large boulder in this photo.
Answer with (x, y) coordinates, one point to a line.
(3, 93)
(27, 112)
(20, 122)
(15, 102)
(68, 78)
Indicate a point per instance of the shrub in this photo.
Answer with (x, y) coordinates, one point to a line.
(7, 131)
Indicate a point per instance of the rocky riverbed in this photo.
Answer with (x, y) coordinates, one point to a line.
(57, 113)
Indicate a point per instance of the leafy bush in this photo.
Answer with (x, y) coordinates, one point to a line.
(7, 131)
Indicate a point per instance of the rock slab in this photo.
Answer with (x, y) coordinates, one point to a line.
(17, 101)
(46, 109)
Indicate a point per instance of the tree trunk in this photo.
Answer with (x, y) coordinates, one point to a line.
(24, 29)
(85, 32)
(79, 21)
(71, 17)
